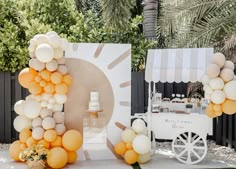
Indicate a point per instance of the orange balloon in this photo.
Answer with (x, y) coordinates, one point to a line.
(217, 107)
(120, 148)
(229, 106)
(72, 140)
(43, 83)
(72, 157)
(50, 135)
(37, 78)
(25, 134)
(57, 157)
(210, 111)
(49, 88)
(45, 74)
(31, 141)
(35, 88)
(23, 146)
(218, 113)
(26, 76)
(15, 150)
(44, 143)
(57, 142)
(61, 88)
(129, 146)
(131, 157)
(56, 78)
(67, 79)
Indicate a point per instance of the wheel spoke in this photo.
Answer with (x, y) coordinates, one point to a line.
(184, 141)
(196, 154)
(189, 157)
(179, 146)
(182, 153)
(198, 147)
(195, 141)
(189, 137)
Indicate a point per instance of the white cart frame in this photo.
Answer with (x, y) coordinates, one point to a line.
(188, 131)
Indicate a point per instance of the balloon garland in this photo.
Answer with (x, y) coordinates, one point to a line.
(220, 86)
(40, 118)
(134, 146)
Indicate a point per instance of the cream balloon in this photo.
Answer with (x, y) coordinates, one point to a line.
(128, 135)
(230, 90)
(64, 43)
(37, 133)
(52, 65)
(19, 107)
(32, 109)
(141, 144)
(45, 113)
(58, 53)
(60, 98)
(58, 117)
(138, 126)
(213, 70)
(61, 61)
(219, 59)
(216, 83)
(227, 74)
(50, 33)
(57, 107)
(37, 122)
(205, 79)
(21, 122)
(31, 48)
(229, 64)
(54, 40)
(41, 38)
(144, 158)
(62, 69)
(44, 53)
(218, 96)
(48, 123)
(60, 129)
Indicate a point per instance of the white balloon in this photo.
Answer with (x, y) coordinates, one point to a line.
(50, 106)
(143, 158)
(62, 69)
(52, 101)
(219, 59)
(19, 107)
(60, 129)
(52, 65)
(207, 96)
(38, 98)
(54, 40)
(61, 61)
(32, 109)
(33, 42)
(138, 125)
(45, 113)
(48, 123)
(46, 97)
(36, 64)
(37, 133)
(58, 117)
(21, 122)
(227, 74)
(31, 48)
(32, 54)
(229, 64)
(43, 104)
(205, 79)
(60, 98)
(208, 90)
(58, 53)
(141, 144)
(44, 53)
(37, 122)
(230, 90)
(41, 38)
(218, 96)
(128, 135)
(50, 33)
(57, 107)
(64, 43)
(216, 83)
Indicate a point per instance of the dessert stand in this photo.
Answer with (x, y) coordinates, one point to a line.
(187, 130)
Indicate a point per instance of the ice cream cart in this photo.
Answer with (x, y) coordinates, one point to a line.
(182, 121)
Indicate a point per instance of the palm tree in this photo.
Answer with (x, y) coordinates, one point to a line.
(150, 11)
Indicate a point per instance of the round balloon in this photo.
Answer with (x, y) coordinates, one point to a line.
(21, 122)
(205, 79)
(120, 148)
(230, 90)
(54, 40)
(36, 64)
(218, 96)
(216, 83)
(15, 150)
(57, 157)
(143, 158)
(227, 74)
(213, 70)
(57, 142)
(37, 122)
(131, 157)
(219, 59)
(72, 157)
(229, 107)
(25, 134)
(48, 123)
(128, 135)
(26, 76)
(58, 117)
(229, 64)
(60, 98)
(50, 135)
(72, 140)
(141, 144)
(138, 125)
(32, 109)
(19, 107)
(60, 129)
(38, 133)
(52, 65)
(44, 53)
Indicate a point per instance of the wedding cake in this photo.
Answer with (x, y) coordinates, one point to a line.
(94, 104)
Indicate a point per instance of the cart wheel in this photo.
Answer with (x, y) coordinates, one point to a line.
(189, 148)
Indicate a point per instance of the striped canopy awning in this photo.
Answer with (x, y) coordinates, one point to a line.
(176, 65)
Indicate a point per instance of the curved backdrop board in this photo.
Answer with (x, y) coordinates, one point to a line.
(105, 68)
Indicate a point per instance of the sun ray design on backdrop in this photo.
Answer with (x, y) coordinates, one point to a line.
(115, 62)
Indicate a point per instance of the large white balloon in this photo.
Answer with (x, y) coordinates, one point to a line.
(216, 83)
(230, 90)
(44, 53)
(141, 144)
(32, 109)
(128, 135)
(138, 125)
(21, 122)
(19, 107)
(218, 96)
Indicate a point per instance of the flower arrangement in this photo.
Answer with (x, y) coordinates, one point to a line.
(35, 156)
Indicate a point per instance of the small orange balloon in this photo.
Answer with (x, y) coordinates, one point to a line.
(72, 157)
(50, 135)
(217, 107)
(15, 150)
(57, 142)
(56, 78)
(49, 88)
(72, 140)
(131, 157)
(57, 157)
(23, 146)
(229, 107)
(44, 143)
(61, 88)
(25, 134)
(129, 146)
(210, 111)
(120, 148)
(37, 78)
(31, 141)
(43, 83)
(67, 79)
(26, 76)
(218, 113)
(46, 75)
(35, 88)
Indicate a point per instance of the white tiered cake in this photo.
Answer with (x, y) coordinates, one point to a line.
(94, 104)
